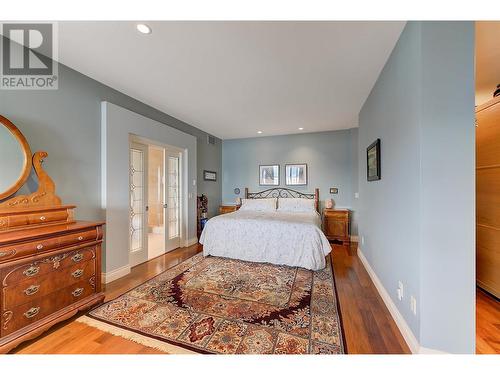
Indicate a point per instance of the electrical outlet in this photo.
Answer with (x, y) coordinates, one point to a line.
(400, 291)
(356, 195)
(413, 305)
(362, 240)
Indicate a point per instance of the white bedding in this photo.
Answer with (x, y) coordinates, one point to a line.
(290, 238)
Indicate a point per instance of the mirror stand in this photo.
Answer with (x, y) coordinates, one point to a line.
(45, 194)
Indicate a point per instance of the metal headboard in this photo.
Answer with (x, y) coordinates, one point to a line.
(281, 192)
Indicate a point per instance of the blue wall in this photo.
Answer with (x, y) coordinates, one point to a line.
(417, 222)
(329, 157)
(66, 123)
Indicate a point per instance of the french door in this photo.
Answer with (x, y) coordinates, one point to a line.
(173, 200)
(155, 201)
(138, 158)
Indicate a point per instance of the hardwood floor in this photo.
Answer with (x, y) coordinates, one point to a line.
(487, 324)
(368, 325)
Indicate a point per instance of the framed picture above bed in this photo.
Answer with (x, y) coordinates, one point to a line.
(296, 174)
(269, 175)
(373, 161)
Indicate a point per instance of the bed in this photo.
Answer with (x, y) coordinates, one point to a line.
(278, 236)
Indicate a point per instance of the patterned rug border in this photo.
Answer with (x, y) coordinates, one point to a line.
(174, 347)
(135, 336)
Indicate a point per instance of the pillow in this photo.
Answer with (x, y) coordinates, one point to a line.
(265, 204)
(296, 205)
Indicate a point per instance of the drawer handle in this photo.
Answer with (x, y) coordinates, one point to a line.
(6, 253)
(29, 291)
(77, 274)
(32, 271)
(42, 218)
(80, 238)
(77, 292)
(32, 312)
(39, 247)
(77, 257)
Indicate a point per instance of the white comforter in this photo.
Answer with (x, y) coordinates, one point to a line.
(290, 238)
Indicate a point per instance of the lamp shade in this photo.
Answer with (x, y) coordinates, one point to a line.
(329, 203)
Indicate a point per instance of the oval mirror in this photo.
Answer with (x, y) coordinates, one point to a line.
(15, 158)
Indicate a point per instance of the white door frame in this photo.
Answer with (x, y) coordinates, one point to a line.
(172, 244)
(183, 181)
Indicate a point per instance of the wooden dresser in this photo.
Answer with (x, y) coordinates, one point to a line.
(48, 274)
(336, 224)
(227, 208)
(50, 264)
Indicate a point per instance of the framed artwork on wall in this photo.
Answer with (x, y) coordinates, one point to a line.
(373, 161)
(296, 174)
(209, 176)
(269, 175)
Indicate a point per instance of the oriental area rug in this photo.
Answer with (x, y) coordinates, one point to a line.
(225, 306)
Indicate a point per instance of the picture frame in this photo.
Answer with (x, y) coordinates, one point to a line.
(373, 161)
(209, 175)
(269, 175)
(296, 174)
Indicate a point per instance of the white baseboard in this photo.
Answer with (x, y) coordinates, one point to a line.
(408, 335)
(404, 328)
(113, 275)
(191, 241)
(424, 350)
(354, 238)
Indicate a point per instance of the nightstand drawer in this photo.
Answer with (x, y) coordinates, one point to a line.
(336, 224)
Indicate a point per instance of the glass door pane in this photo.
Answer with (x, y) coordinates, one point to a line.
(173, 200)
(173, 197)
(156, 199)
(137, 242)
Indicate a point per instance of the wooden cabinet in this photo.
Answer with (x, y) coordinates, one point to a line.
(336, 224)
(225, 209)
(488, 196)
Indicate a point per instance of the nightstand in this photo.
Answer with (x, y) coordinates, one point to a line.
(336, 224)
(227, 208)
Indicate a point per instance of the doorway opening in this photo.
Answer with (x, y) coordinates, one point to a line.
(155, 199)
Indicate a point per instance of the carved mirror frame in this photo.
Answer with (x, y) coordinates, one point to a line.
(27, 158)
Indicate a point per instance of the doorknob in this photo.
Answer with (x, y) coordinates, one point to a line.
(147, 208)
(165, 205)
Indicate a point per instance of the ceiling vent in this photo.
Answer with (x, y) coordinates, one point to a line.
(211, 140)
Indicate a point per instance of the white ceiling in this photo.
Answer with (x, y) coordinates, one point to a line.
(232, 79)
(487, 59)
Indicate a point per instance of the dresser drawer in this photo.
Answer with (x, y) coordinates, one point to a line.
(76, 238)
(33, 270)
(37, 287)
(27, 248)
(47, 217)
(7, 222)
(30, 312)
(35, 217)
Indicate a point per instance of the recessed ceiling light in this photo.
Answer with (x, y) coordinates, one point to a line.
(259, 132)
(301, 128)
(143, 28)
